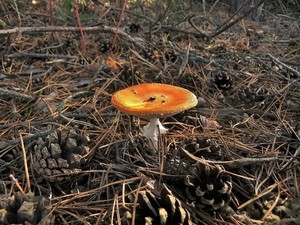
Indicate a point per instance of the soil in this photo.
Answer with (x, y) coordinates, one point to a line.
(67, 156)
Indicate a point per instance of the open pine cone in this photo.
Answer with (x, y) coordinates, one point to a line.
(166, 210)
(58, 155)
(26, 209)
(223, 80)
(203, 147)
(208, 186)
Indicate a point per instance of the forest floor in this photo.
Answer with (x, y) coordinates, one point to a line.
(67, 156)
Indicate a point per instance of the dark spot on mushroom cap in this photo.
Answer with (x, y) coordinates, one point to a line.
(153, 100)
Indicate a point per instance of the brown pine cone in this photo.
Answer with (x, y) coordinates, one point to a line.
(26, 209)
(203, 147)
(208, 187)
(223, 80)
(166, 210)
(104, 46)
(148, 54)
(58, 156)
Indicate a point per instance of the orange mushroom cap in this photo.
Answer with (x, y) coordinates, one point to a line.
(153, 100)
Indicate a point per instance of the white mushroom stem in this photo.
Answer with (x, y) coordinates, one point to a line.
(152, 131)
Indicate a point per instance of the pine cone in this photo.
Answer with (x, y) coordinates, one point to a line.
(129, 74)
(170, 56)
(289, 211)
(208, 186)
(135, 28)
(203, 147)
(104, 46)
(59, 155)
(177, 166)
(29, 208)
(148, 54)
(166, 210)
(252, 94)
(223, 80)
(218, 50)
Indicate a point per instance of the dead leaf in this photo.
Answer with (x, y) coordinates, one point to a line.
(212, 124)
(113, 64)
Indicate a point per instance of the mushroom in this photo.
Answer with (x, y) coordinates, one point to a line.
(153, 101)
